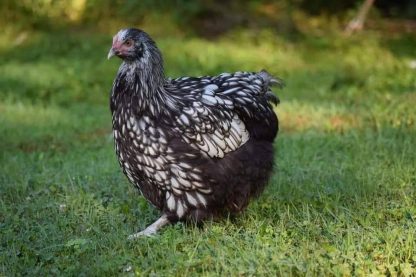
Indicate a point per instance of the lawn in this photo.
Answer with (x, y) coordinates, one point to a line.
(342, 200)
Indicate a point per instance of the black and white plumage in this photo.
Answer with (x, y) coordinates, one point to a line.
(196, 147)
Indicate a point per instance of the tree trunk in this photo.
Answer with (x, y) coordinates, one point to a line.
(357, 23)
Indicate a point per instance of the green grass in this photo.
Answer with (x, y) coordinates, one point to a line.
(341, 202)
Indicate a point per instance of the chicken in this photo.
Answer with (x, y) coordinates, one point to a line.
(196, 147)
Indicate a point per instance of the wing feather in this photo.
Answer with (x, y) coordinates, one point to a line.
(214, 118)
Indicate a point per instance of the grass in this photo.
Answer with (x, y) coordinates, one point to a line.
(342, 200)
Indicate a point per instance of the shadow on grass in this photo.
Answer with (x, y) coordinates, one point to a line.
(352, 170)
(403, 46)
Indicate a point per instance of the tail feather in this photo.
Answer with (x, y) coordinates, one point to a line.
(272, 98)
(276, 81)
(270, 81)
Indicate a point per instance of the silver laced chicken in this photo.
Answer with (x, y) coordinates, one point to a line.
(196, 147)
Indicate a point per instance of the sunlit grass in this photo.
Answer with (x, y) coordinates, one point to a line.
(211, 56)
(341, 202)
(297, 117)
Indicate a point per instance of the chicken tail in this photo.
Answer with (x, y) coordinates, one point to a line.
(270, 81)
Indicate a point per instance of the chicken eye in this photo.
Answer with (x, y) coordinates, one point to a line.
(128, 43)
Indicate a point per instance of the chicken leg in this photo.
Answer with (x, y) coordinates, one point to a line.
(151, 229)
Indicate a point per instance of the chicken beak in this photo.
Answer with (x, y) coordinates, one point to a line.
(111, 53)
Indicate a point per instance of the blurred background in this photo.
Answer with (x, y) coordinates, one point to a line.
(346, 149)
(360, 53)
(201, 37)
(59, 46)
